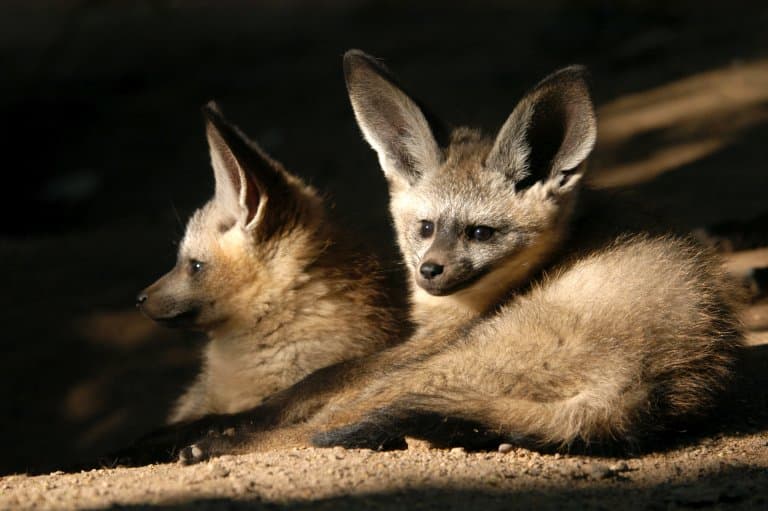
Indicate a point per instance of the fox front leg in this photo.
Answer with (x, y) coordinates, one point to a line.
(213, 444)
(238, 434)
(163, 445)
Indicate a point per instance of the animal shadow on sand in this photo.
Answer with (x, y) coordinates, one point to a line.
(741, 487)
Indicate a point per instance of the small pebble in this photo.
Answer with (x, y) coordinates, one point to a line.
(190, 455)
(533, 471)
(598, 471)
(219, 471)
(415, 444)
(620, 466)
(505, 448)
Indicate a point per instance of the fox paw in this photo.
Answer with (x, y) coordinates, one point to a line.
(193, 454)
(215, 444)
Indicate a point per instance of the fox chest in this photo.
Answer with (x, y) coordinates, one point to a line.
(237, 381)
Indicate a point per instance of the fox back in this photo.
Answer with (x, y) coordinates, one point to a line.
(555, 323)
(277, 286)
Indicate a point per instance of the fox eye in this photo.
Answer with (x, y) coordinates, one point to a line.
(427, 229)
(195, 266)
(480, 232)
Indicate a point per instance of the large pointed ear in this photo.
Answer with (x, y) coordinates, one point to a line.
(407, 138)
(247, 179)
(550, 132)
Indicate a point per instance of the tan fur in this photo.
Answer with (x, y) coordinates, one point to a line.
(594, 352)
(580, 331)
(551, 368)
(567, 325)
(276, 305)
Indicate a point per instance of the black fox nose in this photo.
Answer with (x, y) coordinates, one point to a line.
(141, 299)
(430, 270)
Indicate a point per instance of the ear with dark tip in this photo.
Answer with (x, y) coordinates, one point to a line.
(406, 137)
(549, 134)
(246, 177)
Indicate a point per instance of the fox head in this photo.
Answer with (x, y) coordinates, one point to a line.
(475, 214)
(244, 248)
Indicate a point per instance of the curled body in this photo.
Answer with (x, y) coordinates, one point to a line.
(595, 353)
(542, 317)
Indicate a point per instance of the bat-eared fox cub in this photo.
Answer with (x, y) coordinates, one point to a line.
(540, 318)
(279, 289)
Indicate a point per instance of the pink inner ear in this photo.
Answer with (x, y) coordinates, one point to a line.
(225, 167)
(253, 196)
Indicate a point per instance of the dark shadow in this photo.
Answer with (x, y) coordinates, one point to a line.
(742, 410)
(710, 189)
(734, 235)
(734, 488)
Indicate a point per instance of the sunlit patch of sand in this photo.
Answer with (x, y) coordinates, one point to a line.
(85, 399)
(739, 262)
(678, 123)
(104, 427)
(658, 162)
(756, 316)
(756, 321)
(125, 328)
(90, 402)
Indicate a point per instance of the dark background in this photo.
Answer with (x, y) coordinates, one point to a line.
(105, 157)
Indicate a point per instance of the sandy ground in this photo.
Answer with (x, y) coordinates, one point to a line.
(100, 105)
(728, 472)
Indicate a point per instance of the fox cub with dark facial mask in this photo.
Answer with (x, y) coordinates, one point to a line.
(541, 318)
(585, 332)
(278, 288)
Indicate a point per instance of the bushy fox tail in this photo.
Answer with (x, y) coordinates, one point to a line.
(459, 417)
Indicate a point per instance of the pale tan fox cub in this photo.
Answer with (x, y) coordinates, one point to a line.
(588, 334)
(263, 271)
(540, 318)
